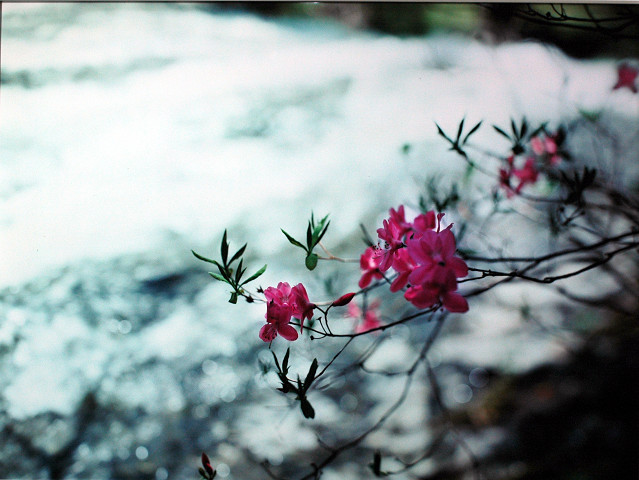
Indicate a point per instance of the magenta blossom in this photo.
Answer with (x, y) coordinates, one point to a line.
(278, 318)
(399, 217)
(627, 76)
(403, 265)
(369, 320)
(526, 175)
(441, 288)
(369, 264)
(302, 307)
(424, 222)
(392, 235)
(294, 299)
(432, 253)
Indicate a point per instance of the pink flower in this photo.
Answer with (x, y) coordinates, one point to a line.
(526, 175)
(627, 75)
(369, 263)
(277, 318)
(403, 265)
(302, 307)
(392, 235)
(432, 253)
(537, 146)
(423, 222)
(441, 288)
(399, 217)
(280, 295)
(370, 319)
(294, 299)
(547, 148)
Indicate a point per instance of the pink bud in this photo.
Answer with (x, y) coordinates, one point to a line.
(343, 300)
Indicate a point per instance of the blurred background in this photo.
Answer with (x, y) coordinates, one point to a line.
(133, 133)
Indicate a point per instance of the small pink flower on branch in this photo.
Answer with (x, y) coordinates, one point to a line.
(391, 234)
(283, 303)
(369, 264)
(369, 320)
(278, 318)
(626, 77)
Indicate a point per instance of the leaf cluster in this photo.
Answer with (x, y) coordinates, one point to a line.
(314, 234)
(459, 142)
(299, 387)
(229, 274)
(441, 201)
(519, 135)
(578, 184)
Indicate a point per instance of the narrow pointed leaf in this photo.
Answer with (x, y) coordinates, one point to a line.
(238, 254)
(461, 127)
(285, 361)
(309, 236)
(293, 241)
(473, 130)
(513, 126)
(524, 128)
(322, 233)
(238, 273)
(255, 275)
(499, 130)
(219, 277)
(204, 259)
(224, 249)
(310, 376)
(277, 363)
(441, 132)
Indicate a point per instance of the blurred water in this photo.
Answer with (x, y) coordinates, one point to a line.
(131, 133)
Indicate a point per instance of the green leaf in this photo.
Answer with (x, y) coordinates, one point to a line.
(239, 272)
(319, 238)
(311, 261)
(309, 237)
(277, 363)
(224, 249)
(310, 376)
(499, 130)
(219, 277)
(461, 127)
(238, 254)
(293, 241)
(285, 361)
(513, 126)
(441, 132)
(255, 275)
(204, 259)
(307, 408)
(472, 130)
(524, 128)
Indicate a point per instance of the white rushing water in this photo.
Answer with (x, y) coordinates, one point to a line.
(137, 129)
(148, 119)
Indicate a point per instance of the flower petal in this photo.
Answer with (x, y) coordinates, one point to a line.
(287, 331)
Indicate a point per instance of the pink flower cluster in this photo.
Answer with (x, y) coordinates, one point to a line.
(515, 175)
(422, 255)
(283, 303)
